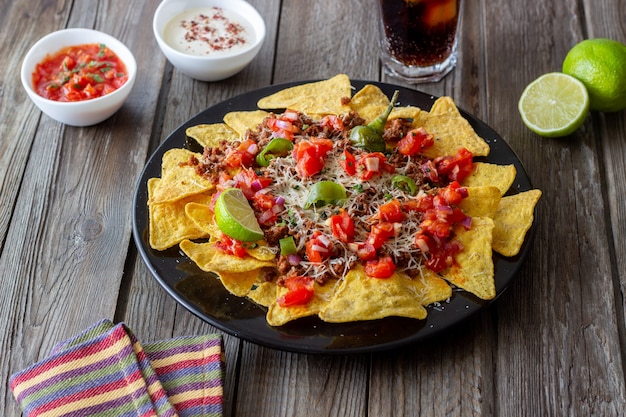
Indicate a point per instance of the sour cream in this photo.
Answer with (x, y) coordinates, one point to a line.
(208, 31)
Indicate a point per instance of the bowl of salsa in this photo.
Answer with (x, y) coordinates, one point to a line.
(208, 40)
(78, 76)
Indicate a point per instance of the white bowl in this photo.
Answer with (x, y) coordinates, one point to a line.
(209, 67)
(85, 112)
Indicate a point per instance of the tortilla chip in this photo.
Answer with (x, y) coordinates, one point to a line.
(407, 112)
(360, 297)
(474, 270)
(240, 283)
(483, 173)
(168, 224)
(431, 288)
(210, 259)
(321, 97)
(210, 135)
(450, 129)
(277, 315)
(513, 218)
(263, 293)
(179, 178)
(242, 121)
(445, 105)
(369, 102)
(201, 215)
(481, 201)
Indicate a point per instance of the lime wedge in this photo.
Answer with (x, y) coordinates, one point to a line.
(235, 217)
(325, 192)
(554, 105)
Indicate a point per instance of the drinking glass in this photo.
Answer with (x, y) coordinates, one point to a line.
(418, 38)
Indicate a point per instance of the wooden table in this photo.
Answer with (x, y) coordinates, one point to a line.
(553, 344)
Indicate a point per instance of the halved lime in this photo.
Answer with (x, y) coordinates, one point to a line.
(554, 105)
(235, 217)
(325, 192)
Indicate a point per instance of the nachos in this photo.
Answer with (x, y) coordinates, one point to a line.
(366, 209)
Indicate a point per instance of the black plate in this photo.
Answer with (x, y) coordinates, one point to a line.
(203, 295)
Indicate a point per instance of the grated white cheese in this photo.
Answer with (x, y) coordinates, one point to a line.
(302, 223)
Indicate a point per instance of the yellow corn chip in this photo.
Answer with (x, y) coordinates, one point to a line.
(210, 259)
(431, 288)
(474, 271)
(168, 224)
(277, 315)
(450, 129)
(179, 178)
(513, 218)
(360, 297)
(242, 121)
(483, 173)
(481, 201)
(263, 293)
(406, 112)
(210, 135)
(321, 97)
(369, 102)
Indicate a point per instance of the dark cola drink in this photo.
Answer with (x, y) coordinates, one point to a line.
(418, 37)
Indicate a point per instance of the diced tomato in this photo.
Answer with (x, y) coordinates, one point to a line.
(366, 251)
(249, 182)
(422, 204)
(380, 268)
(348, 162)
(380, 233)
(310, 155)
(439, 228)
(453, 193)
(457, 167)
(283, 126)
(372, 164)
(342, 226)
(265, 208)
(391, 212)
(440, 254)
(333, 122)
(415, 141)
(243, 155)
(231, 246)
(318, 248)
(300, 290)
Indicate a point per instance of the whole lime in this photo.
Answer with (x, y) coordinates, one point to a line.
(601, 66)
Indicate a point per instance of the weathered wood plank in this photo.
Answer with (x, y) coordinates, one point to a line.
(557, 325)
(69, 235)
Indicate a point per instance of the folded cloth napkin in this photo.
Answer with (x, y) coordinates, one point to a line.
(105, 371)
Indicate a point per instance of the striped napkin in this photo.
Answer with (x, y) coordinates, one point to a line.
(105, 371)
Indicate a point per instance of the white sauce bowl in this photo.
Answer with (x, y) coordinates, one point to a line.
(85, 112)
(209, 68)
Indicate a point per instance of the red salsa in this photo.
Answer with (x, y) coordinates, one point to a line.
(80, 72)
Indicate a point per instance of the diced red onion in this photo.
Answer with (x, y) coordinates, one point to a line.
(318, 248)
(256, 185)
(253, 149)
(324, 240)
(280, 200)
(293, 259)
(467, 223)
(372, 164)
(265, 216)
